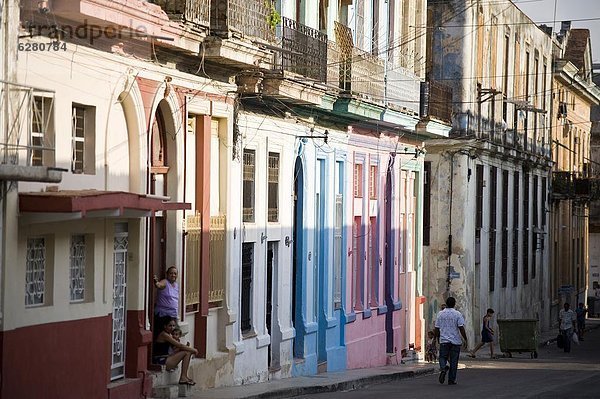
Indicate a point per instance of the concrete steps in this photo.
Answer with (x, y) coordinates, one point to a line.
(165, 385)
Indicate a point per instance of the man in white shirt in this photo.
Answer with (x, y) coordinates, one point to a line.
(449, 326)
(567, 319)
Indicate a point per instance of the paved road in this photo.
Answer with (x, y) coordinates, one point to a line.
(554, 374)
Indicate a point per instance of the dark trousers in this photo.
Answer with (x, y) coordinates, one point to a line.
(568, 337)
(449, 353)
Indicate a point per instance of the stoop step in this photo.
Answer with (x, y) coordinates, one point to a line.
(166, 392)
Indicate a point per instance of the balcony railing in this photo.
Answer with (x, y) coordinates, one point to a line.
(247, 17)
(194, 11)
(402, 88)
(304, 50)
(563, 185)
(587, 188)
(436, 100)
(367, 75)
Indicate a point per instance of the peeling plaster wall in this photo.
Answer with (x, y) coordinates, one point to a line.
(471, 289)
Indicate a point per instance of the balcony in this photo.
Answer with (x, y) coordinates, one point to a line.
(366, 76)
(247, 18)
(304, 50)
(196, 12)
(403, 88)
(563, 186)
(27, 146)
(436, 101)
(587, 188)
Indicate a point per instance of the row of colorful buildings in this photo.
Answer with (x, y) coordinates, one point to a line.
(322, 174)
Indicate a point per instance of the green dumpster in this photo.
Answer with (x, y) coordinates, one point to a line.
(518, 335)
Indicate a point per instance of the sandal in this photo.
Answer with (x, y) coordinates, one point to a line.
(471, 355)
(187, 382)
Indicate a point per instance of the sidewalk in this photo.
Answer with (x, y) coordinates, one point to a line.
(325, 382)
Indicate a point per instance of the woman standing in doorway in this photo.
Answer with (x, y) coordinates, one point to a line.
(167, 300)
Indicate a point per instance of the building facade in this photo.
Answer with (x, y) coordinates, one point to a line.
(573, 185)
(488, 232)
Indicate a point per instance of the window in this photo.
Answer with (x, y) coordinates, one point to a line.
(372, 282)
(526, 228)
(77, 268)
(357, 257)
(338, 229)
(358, 180)
(83, 136)
(492, 238)
(427, 203)
(246, 297)
(248, 193)
(373, 182)
(535, 225)
(273, 194)
(515, 238)
(478, 211)
(41, 141)
(504, 226)
(35, 272)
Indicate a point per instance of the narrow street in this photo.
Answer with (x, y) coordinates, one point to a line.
(554, 374)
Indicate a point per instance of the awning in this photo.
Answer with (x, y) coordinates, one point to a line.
(75, 204)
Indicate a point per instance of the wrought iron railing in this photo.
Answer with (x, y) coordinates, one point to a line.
(248, 17)
(304, 50)
(333, 64)
(563, 184)
(194, 11)
(436, 100)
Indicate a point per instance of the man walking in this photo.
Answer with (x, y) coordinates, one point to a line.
(567, 318)
(449, 323)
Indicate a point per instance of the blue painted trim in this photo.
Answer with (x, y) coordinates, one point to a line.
(310, 328)
(366, 313)
(350, 317)
(397, 305)
(331, 322)
(382, 309)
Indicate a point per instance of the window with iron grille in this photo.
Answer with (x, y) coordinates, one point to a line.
(35, 272)
(515, 238)
(83, 137)
(526, 228)
(373, 182)
(77, 268)
(493, 217)
(246, 297)
(358, 180)
(248, 186)
(273, 190)
(504, 227)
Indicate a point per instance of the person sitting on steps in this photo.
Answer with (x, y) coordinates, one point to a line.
(183, 355)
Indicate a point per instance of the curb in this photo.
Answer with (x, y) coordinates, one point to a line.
(343, 385)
